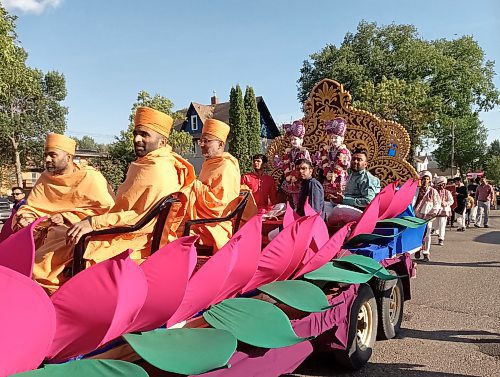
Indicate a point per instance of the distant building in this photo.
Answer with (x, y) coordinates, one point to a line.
(196, 114)
(432, 165)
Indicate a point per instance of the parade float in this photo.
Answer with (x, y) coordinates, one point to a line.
(253, 308)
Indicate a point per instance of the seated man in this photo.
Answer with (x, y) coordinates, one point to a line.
(66, 193)
(217, 185)
(262, 185)
(360, 190)
(310, 188)
(156, 173)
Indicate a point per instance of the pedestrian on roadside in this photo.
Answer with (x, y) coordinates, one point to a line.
(484, 197)
(469, 205)
(427, 206)
(461, 203)
(445, 210)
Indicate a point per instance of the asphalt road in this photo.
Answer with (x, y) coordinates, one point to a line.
(451, 325)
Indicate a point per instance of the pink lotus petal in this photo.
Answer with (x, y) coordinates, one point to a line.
(27, 323)
(402, 198)
(275, 257)
(303, 240)
(6, 230)
(326, 253)
(18, 251)
(207, 282)
(366, 224)
(386, 197)
(167, 273)
(290, 216)
(247, 259)
(97, 305)
(308, 210)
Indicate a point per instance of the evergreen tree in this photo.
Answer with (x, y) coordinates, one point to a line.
(238, 143)
(253, 122)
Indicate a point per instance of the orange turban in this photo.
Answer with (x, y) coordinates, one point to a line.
(61, 142)
(216, 128)
(154, 120)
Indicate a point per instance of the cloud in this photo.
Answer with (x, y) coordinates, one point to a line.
(30, 6)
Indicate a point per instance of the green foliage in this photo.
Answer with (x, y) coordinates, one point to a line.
(121, 152)
(88, 143)
(392, 72)
(494, 148)
(110, 170)
(469, 145)
(238, 142)
(253, 122)
(29, 100)
(492, 169)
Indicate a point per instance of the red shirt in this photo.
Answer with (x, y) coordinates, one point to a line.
(484, 193)
(263, 189)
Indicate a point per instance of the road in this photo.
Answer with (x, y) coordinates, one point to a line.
(452, 324)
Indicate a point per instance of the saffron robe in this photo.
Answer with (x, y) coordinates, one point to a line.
(217, 187)
(149, 179)
(75, 196)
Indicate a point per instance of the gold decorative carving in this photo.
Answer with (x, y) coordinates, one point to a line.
(329, 100)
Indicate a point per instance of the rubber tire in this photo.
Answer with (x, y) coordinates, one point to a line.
(387, 328)
(356, 356)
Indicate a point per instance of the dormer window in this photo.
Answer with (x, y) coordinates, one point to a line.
(194, 123)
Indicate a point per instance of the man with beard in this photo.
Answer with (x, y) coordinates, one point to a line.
(66, 193)
(360, 190)
(156, 173)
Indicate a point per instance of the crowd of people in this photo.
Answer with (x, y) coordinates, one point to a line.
(74, 200)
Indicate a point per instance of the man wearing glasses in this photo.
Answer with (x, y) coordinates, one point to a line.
(217, 185)
(19, 198)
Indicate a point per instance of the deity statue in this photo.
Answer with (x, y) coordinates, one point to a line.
(287, 163)
(334, 159)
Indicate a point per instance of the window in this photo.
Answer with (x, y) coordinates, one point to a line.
(194, 123)
(194, 149)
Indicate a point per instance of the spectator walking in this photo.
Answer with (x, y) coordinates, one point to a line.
(484, 197)
(469, 205)
(460, 209)
(445, 211)
(427, 206)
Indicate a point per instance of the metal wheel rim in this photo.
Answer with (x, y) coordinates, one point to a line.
(394, 304)
(364, 328)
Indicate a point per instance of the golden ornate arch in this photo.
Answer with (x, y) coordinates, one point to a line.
(328, 100)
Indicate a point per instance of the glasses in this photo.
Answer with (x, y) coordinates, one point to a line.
(17, 193)
(205, 141)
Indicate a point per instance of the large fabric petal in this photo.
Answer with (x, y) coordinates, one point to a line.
(97, 305)
(18, 251)
(167, 272)
(326, 253)
(247, 259)
(254, 322)
(386, 197)
(275, 257)
(365, 264)
(308, 210)
(298, 294)
(402, 198)
(290, 216)
(368, 220)
(207, 282)
(88, 368)
(184, 351)
(303, 240)
(27, 323)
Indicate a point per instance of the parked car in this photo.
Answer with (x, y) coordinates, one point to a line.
(5, 209)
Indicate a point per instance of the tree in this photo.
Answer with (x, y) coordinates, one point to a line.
(392, 72)
(238, 143)
(469, 146)
(122, 150)
(30, 101)
(88, 143)
(492, 170)
(252, 116)
(494, 148)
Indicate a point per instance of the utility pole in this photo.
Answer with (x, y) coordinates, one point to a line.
(452, 148)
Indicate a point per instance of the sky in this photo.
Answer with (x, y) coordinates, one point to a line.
(109, 50)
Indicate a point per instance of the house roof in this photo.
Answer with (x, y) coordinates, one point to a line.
(220, 111)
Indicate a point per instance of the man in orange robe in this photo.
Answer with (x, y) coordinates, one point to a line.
(156, 173)
(217, 185)
(66, 193)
